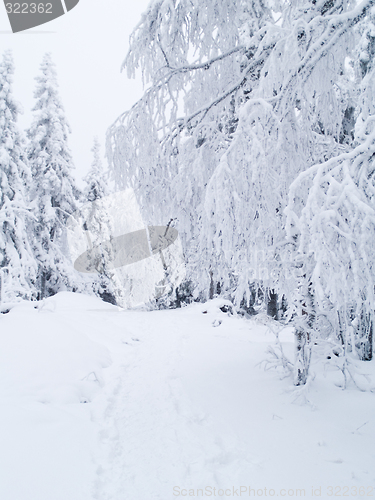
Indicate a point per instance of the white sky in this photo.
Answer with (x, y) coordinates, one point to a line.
(88, 45)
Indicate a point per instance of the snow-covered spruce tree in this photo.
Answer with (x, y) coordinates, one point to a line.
(98, 223)
(17, 264)
(242, 98)
(54, 194)
(96, 179)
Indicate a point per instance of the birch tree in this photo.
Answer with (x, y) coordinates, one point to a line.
(331, 216)
(241, 99)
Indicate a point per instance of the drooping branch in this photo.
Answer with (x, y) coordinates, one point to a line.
(194, 67)
(336, 27)
(182, 123)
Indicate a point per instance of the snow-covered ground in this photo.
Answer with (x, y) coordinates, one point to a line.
(98, 403)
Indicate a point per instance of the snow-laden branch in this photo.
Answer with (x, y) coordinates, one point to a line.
(334, 222)
(335, 27)
(192, 67)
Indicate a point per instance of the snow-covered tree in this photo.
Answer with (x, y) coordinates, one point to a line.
(17, 264)
(96, 179)
(333, 229)
(331, 216)
(54, 194)
(98, 222)
(194, 57)
(242, 98)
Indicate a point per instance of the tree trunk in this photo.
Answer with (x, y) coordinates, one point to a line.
(342, 333)
(303, 340)
(364, 337)
(212, 290)
(42, 284)
(272, 308)
(302, 360)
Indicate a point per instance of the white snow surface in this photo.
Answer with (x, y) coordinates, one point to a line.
(99, 403)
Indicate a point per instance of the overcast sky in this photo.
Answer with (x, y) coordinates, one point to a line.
(88, 45)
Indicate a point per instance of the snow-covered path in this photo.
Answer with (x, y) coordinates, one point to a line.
(102, 404)
(155, 431)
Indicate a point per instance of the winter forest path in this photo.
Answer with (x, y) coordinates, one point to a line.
(103, 404)
(192, 410)
(158, 437)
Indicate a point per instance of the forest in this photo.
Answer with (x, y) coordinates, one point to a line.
(255, 139)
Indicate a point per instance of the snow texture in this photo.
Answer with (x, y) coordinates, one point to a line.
(106, 404)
